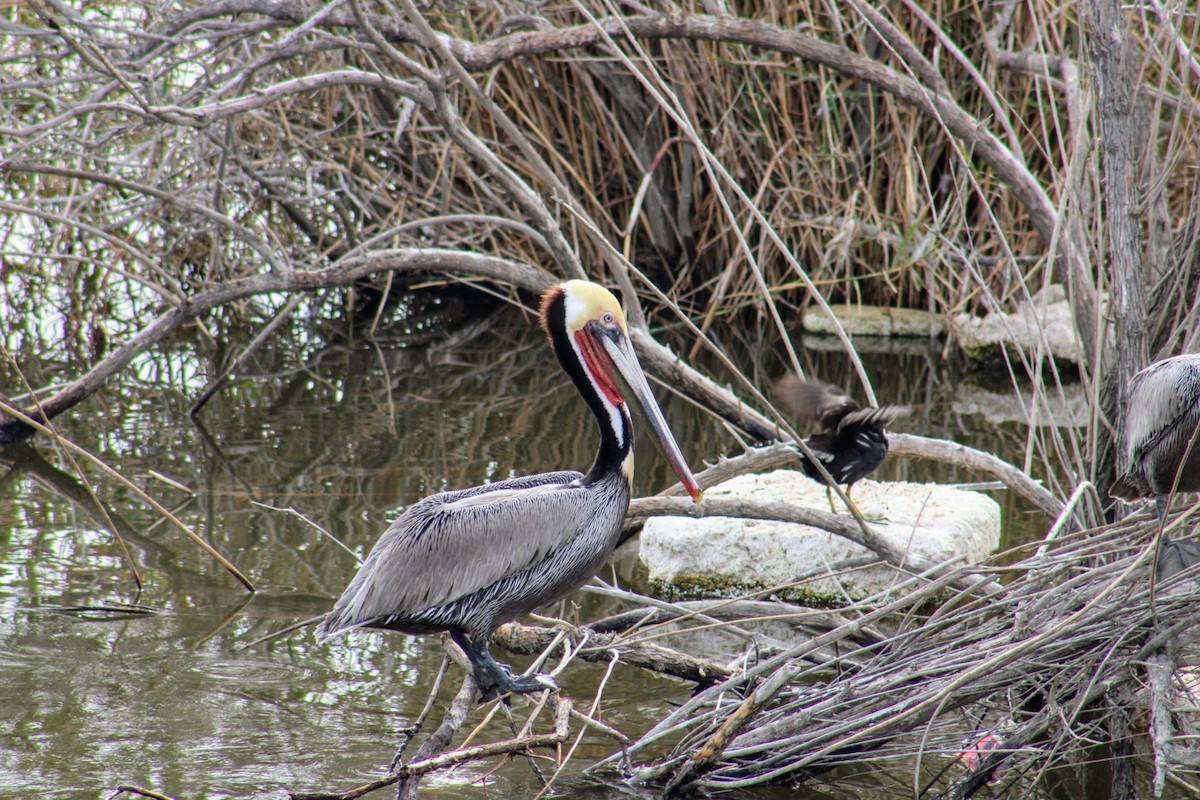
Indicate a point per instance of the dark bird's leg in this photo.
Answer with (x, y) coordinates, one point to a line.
(495, 678)
(854, 509)
(851, 506)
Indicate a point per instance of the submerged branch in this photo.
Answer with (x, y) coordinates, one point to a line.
(599, 647)
(424, 765)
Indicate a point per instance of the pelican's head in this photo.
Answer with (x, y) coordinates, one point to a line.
(587, 328)
(587, 301)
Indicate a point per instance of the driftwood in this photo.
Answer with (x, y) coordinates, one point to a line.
(1032, 661)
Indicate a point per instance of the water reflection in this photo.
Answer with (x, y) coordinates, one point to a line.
(171, 700)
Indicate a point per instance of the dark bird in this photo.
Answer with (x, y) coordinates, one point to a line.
(852, 443)
(468, 561)
(1160, 423)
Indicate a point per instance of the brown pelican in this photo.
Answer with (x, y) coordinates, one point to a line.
(852, 443)
(1160, 423)
(467, 561)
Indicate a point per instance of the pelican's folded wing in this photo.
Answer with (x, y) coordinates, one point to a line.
(454, 543)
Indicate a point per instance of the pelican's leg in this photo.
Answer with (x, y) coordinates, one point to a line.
(493, 677)
(829, 497)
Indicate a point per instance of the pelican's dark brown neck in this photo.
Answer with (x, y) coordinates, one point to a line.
(616, 426)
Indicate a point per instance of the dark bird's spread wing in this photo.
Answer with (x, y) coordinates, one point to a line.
(813, 401)
(829, 406)
(871, 417)
(454, 543)
(851, 443)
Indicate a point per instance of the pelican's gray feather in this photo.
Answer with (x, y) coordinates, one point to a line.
(454, 544)
(1164, 410)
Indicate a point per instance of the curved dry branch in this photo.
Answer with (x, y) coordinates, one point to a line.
(974, 135)
(203, 115)
(962, 456)
(451, 262)
(599, 647)
(783, 454)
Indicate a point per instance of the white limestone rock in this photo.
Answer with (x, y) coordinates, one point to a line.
(1047, 314)
(861, 320)
(722, 556)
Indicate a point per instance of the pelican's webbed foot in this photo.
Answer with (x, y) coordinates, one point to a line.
(518, 684)
(494, 678)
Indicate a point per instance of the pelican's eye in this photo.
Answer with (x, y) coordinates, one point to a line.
(608, 318)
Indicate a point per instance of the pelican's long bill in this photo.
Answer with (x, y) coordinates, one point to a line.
(624, 361)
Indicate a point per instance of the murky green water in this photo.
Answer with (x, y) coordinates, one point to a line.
(173, 700)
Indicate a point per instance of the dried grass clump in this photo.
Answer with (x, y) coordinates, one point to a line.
(305, 131)
(1034, 661)
(743, 158)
